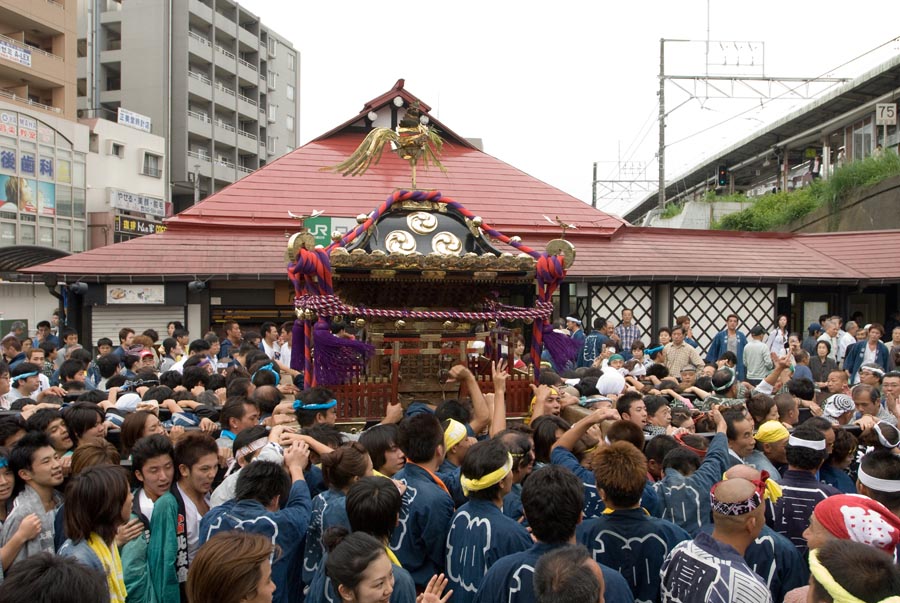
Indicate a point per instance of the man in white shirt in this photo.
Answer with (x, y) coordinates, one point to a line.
(269, 343)
(831, 336)
(847, 339)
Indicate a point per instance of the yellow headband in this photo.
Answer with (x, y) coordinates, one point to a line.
(771, 431)
(838, 593)
(486, 481)
(454, 434)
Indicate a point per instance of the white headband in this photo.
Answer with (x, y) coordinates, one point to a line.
(811, 444)
(882, 438)
(876, 483)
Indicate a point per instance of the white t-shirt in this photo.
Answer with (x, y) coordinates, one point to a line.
(145, 504)
(285, 356)
(272, 351)
(191, 523)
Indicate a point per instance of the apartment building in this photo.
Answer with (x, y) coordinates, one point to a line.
(220, 86)
(42, 148)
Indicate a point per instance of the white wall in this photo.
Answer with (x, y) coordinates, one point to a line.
(26, 301)
(105, 171)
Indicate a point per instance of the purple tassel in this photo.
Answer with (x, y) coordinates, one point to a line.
(337, 360)
(298, 349)
(562, 348)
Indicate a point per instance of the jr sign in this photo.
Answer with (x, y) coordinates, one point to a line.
(321, 228)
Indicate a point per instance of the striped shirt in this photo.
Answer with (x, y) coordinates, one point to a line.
(628, 335)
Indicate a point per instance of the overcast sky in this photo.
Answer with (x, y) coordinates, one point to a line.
(551, 87)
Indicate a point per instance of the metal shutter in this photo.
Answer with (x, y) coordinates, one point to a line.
(107, 320)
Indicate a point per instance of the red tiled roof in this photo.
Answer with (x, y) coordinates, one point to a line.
(504, 196)
(240, 231)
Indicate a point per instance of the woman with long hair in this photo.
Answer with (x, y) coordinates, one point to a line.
(98, 501)
(232, 567)
(778, 337)
(137, 425)
(821, 365)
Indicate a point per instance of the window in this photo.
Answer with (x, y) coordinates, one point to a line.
(270, 146)
(273, 80)
(273, 47)
(292, 61)
(115, 148)
(272, 113)
(151, 165)
(289, 123)
(290, 92)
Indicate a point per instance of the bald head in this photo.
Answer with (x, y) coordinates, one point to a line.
(734, 490)
(746, 472)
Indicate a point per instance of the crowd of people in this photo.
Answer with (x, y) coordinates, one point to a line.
(159, 469)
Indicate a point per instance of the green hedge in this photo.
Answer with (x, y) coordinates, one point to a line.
(778, 209)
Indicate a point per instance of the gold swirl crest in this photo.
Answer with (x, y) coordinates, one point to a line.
(400, 241)
(421, 222)
(446, 243)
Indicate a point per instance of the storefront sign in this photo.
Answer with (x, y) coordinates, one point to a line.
(135, 294)
(129, 225)
(135, 120)
(137, 203)
(16, 54)
(27, 128)
(8, 123)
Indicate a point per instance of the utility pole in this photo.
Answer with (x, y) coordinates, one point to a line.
(594, 188)
(661, 153)
(196, 183)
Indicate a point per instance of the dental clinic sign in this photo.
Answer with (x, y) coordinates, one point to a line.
(16, 54)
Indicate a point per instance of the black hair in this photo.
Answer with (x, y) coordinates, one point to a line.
(377, 440)
(239, 386)
(453, 409)
(171, 379)
(349, 555)
(729, 356)
(22, 455)
(158, 393)
(325, 434)
(587, 386)
(419, 436)
(194, 376)
(48, 577)
(626, 431)
(659, 446)
(11, 425)
(49, 347)
(657, 370)
(519, 446)
(41, 419)
(732, 416)
(152, 334)
(654, 403)
(82, 355)
(882, 464)
(624, 402)
(802, 457)
(863, 571)
(263, 377)
(759, 406)
(108, 364)
(544, 435)
(81, 417)
(262, 481)
(199, 345)
(549, 377)
(313, 395)
(214, 382)
(373, 506)
(234, 408)
(191, 447)
(150, 447)
(481, 459)
(552, 500)
(560, 576)
(180, 332)
(69, 369)
(169, 344)
(346, 462)
(116, 381)
(682, 460)
(802, 388)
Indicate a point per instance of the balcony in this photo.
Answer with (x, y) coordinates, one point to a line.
(46, 65)
(199, 85)
(247, 142)
(247, 71)
(225, 133)
(247, 106)
(28, 102)
(199, 46)
(199, 123)
(201, 159)
(224, 170)
(225, 96)
(248, 37)
(226, 24)
(201, 10)
(243, 171)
